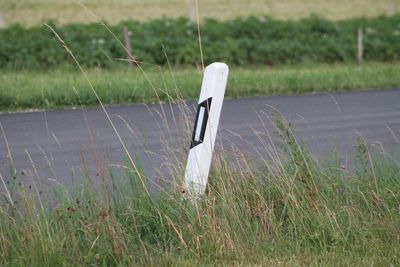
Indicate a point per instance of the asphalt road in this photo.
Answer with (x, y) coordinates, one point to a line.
(61, 145)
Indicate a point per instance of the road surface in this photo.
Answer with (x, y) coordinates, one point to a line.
(60, 146)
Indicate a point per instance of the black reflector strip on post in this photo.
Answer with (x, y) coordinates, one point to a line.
(200, 123)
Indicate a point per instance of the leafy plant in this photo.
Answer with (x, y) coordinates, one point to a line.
(240, 41)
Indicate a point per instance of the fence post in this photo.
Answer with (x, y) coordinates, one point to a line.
(191, 10)
(2, 22)
(128, 47)
(360, 45)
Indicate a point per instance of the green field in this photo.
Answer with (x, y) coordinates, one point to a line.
(66, 87)
(33, 12)
(288, 211)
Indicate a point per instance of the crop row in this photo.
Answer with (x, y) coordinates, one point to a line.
(242, 41)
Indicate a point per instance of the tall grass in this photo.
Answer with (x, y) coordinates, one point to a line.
(285, 210)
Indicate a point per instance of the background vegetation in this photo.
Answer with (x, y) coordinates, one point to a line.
(34, 12)
(242, 41)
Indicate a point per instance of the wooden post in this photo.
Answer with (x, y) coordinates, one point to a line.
(127, 44)
(192, 10)
(2, 22)
(360, 45)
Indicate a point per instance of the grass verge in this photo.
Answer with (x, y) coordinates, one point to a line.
(66, 88)
(285, 212)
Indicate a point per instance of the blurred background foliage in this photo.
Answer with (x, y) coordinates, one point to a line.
(241, 41)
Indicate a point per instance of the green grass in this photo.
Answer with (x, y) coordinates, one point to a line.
(284, 212)
(66, 88)
(33, 12)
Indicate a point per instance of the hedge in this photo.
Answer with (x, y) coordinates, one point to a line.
(242, 41)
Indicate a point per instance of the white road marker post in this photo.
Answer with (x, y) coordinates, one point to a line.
(205, 129)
